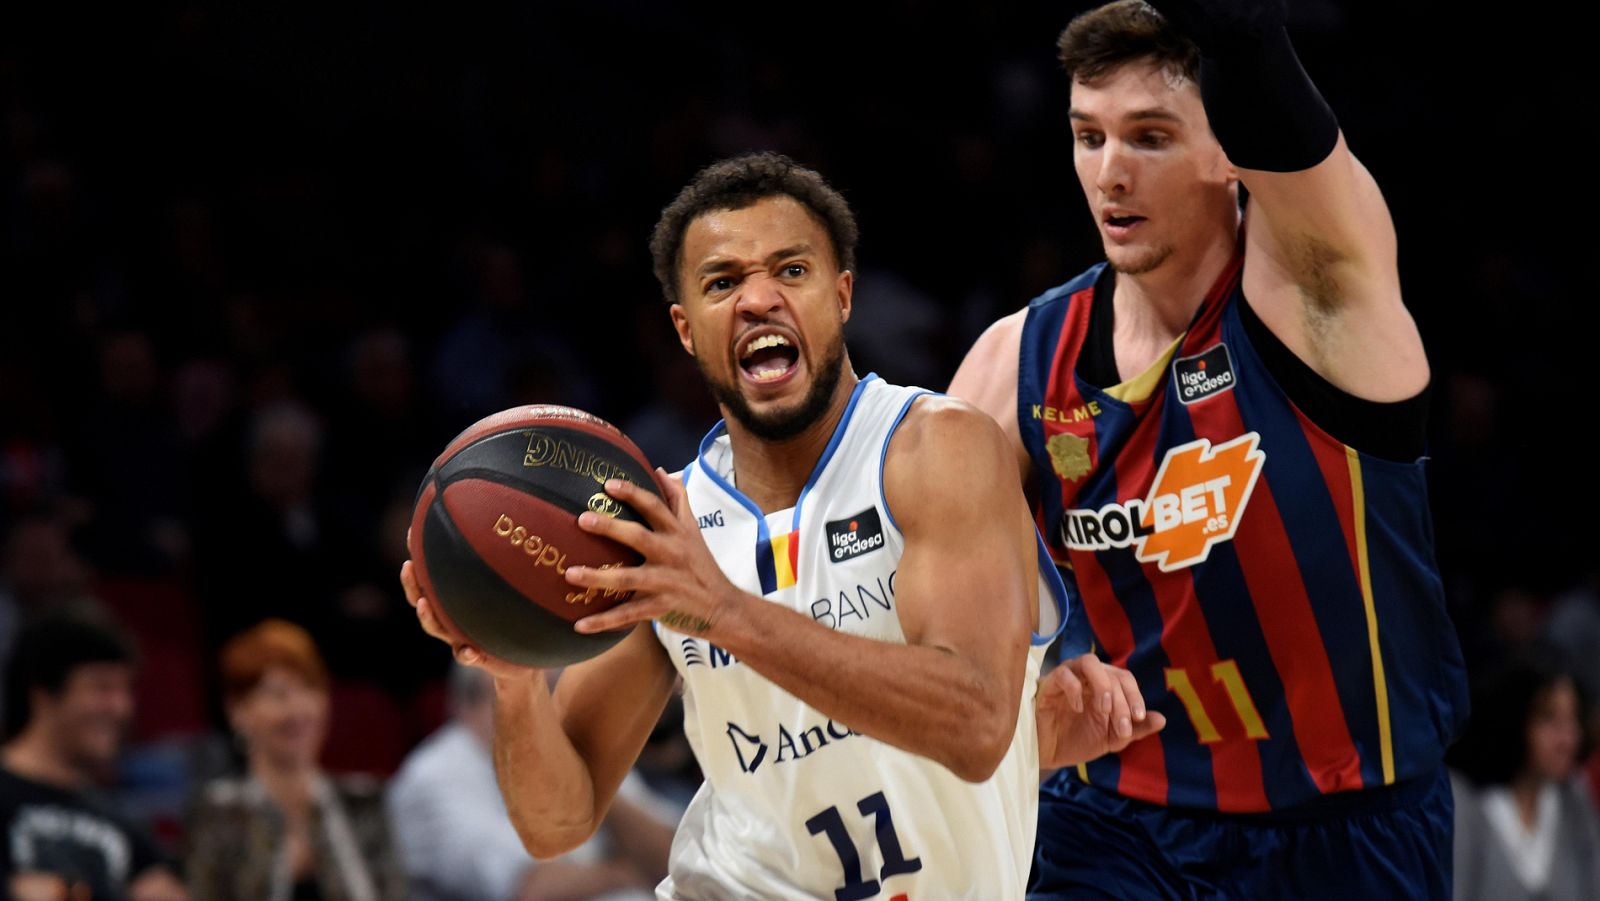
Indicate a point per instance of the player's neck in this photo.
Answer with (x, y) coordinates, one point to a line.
(31, 756)
(1159, 305)
(772, 473)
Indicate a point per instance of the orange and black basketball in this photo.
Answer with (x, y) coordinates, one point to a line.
(496, 526)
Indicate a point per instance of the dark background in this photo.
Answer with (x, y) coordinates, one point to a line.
(259, 262)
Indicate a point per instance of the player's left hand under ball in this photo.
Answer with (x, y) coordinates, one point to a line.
(679, 583)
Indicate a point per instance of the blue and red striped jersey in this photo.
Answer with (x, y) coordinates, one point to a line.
(1273, 591)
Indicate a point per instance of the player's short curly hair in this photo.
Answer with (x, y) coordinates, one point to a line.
(1108, 37)
(738, 182)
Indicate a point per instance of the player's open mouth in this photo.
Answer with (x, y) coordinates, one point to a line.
(1120, 225)
(768, 357)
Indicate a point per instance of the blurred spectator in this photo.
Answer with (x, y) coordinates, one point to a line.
(39, 571)
(264, 549)
(458, 841)
(284, 830)
(125, 459)
(899, 331)
(70, 690)
(1525, 827)
(502, 351)
(380, 438)
(1573, 628)
(669, 427)
(40, 568)
(379, 446)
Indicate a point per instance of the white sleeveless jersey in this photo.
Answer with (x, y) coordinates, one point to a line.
(795, 805)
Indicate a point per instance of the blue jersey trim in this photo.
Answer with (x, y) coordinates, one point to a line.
(883, 454)
(833, 445)
(716, 479)
(766, 567)
(1058, 590)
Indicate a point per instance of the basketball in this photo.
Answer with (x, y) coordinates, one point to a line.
(495, 528)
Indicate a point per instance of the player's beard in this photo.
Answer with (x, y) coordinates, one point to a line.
(1145, 259)
(781, 425)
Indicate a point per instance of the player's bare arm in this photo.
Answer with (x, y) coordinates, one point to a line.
(987, 379)
(1085, 707)
(1321, 272)
(967, 577)
(1320, 261)
(560, 756)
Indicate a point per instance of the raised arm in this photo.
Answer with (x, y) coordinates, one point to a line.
(965, 590)
(1320, 262)
(560, 756)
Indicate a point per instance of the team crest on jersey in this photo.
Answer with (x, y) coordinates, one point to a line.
(1197, 500)
(1069, 456)
(1203, 375)
(859, 534)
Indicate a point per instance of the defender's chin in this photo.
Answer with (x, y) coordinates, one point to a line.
(1136, 260)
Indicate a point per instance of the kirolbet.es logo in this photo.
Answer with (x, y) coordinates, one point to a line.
(850, 538)
(1198, 497)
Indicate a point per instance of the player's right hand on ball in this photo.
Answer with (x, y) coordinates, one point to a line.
(465, 654)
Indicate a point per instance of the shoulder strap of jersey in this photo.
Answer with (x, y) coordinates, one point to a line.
(1208, 319)
(1056, 326)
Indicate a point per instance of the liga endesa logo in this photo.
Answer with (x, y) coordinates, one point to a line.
(857, 535)
(1197, 499)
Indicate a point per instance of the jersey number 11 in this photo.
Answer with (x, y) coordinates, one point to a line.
(831, 824)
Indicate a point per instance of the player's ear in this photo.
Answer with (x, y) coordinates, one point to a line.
(846, 287)
(1229, 171)
(680, 321)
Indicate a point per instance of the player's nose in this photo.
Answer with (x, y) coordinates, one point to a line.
(759, 296)
(1115, 176)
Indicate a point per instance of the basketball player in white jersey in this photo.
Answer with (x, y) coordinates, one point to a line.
(847, 580)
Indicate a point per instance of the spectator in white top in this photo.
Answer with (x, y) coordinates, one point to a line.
(458, 842)
(1525, 828)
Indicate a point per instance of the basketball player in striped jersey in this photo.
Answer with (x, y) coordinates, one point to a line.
(846, 579)
(1222, 431)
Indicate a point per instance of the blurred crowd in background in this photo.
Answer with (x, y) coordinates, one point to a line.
(257, 266)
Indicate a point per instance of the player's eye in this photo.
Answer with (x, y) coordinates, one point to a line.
(719, 285)
(794, 270)
(1091, 139)
(1155, 139)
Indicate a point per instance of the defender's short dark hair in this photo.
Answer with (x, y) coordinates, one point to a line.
(738, 182)
(48, 650)
(1108, 37)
